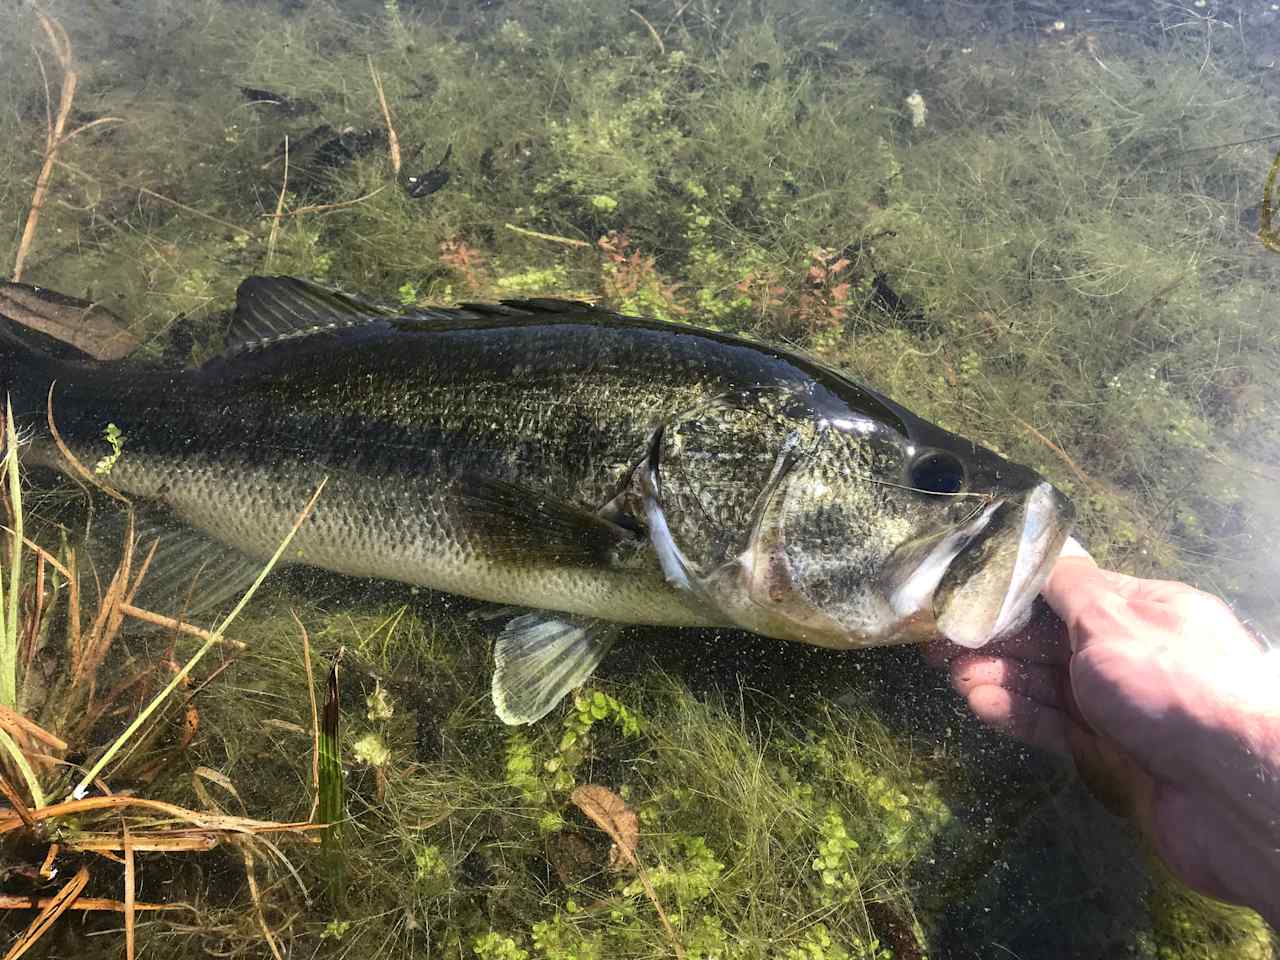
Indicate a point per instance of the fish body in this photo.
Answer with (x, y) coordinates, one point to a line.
(549, 455)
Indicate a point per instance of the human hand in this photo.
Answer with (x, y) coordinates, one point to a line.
(1166, 702)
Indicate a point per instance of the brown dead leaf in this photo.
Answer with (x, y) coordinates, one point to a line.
(612, 815)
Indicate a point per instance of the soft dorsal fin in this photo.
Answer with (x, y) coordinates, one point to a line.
(271, 309)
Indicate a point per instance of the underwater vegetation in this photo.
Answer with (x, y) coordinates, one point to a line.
(1054, 250)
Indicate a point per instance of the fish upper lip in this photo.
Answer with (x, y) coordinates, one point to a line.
(1046, 515)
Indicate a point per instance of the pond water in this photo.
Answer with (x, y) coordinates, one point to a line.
(1043, 228)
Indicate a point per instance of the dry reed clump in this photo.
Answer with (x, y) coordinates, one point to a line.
(104, 821)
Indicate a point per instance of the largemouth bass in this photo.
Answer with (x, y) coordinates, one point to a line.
(591, 468)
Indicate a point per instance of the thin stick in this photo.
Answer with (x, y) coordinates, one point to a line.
(181, 626)
(53, 908)
(315, 715)
(11, 901)
(257, 902)
(62, 50)
(1062, 454)
(275, 221)
(393, 141)
(566, 241)
(129, 889)
(320, 207)
(662, 47)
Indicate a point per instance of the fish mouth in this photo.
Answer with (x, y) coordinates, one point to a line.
(989, 586)
(979, 580)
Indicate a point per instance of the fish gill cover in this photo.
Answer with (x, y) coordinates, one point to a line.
(1038, 230)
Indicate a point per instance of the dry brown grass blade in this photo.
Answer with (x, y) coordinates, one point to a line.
(51, 910)
(126, 841)
(612, 815)
(9, 901)
(257, 902)
(80, 469)
(315, 715)
(15, 722)
(19, 805)
(164, 841)
(202, 821)
(61, 44)
(393, 141)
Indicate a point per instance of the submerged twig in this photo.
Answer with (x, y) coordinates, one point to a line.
(11, 901)
(1083, 477)
(393, 141)
(662, 47)
(534, 234)
(55, 136)
(1269, 236)
(337, 205)
(52, 909)
(247, 854)
(275, 220)
(129, 889)
(62, 50)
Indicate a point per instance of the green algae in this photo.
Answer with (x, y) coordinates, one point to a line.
(1059, 261)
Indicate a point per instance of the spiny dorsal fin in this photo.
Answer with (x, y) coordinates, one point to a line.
(272, 309)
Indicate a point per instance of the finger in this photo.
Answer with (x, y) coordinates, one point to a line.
(1034, 681)
(1021, 717)
(1091, 602)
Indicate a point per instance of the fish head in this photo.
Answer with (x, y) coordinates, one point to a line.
(876, 530)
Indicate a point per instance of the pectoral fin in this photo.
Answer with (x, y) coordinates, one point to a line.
(541, 656)
(518, 521)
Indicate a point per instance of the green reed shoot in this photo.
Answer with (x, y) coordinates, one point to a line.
(9, 603)
(331, 806)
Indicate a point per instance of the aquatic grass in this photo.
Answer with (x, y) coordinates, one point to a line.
(83, 824)
(1045, 264)
(9, 600)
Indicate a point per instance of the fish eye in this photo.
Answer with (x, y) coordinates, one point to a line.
(938, 472)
